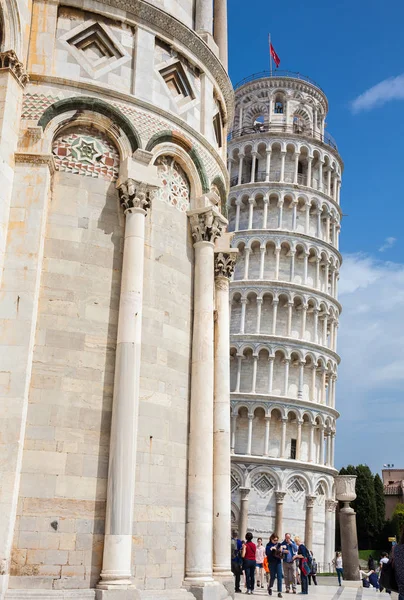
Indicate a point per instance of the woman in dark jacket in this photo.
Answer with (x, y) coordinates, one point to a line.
(274, 555)
(303, 556)
(398, 558)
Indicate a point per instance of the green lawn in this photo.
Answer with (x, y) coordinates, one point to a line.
(364, 554)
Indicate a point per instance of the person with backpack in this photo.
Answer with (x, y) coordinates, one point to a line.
(304, 558)
(236, 560)
(313, 568)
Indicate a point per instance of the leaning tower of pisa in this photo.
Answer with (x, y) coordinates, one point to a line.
(284, 209)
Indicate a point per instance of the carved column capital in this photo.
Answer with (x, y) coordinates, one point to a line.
(310, 500)
(331, 505)
(280, 497)
(135, 194)
(244, 492)
(225, 263)
(207, 224)
(9, 60)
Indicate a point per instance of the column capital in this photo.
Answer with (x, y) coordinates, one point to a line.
(9, 60)
(135, 194)
(331, 505)
(244, 491)
(225, 263)
(310, 500)
(280, 497)
(207, 224)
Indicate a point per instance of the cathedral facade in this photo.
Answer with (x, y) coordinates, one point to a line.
(284, 210)
(115, 267)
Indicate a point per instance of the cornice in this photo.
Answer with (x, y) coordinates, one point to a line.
(293, 343)
(273, 285)
(172, 29)
(271, 234)
(36, 159)
(286, 401)
(266, 187)
(292, 464)
(116, 95)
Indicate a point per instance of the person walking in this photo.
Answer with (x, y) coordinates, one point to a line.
(289, 550)
(236, 560)
(259, 559)
(383, 561)
(304, 558)
(274, 553)
(398, 559)
(313, 570)
(339, 567)
(248, 552)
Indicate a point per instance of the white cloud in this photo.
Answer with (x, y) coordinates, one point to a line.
(388, 89)
(388, 243)
(370, 390)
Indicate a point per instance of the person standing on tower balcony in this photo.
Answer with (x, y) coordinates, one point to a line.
(289, 549)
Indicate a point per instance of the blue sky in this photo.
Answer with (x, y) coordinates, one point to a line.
(349, 48)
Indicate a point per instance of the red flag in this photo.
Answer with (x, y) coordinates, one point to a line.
(274, 55)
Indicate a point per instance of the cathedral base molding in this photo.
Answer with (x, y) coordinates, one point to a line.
(177, 594)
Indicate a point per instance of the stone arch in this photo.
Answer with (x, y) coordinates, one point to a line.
(10, 26)
(86, 103)
(263, 469)
(176, 139)
(304, 486)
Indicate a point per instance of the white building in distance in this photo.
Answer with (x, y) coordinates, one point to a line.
(284, 209)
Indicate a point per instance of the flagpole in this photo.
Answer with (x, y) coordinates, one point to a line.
(270, 56)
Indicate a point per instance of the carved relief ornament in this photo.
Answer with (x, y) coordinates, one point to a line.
(9, 60)
(224, 264)
(134, 194)
(206, 225)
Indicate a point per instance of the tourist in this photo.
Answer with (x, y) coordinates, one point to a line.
(259, 558)
(304, 558)
(398, 556)
(313, 570)
(248, 552)
(337, 562)
(371, 563)
(289, 550)
(236, 560)
(383, 561)
(274, 553)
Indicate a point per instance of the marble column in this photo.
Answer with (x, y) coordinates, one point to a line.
(204, 16)
(206, 226)
(279, 497)
(224, 268)
(243, 523)
(268, 166)
(233, 433)
(220, 29)
(267, 432)
(259, 310)
(249, 438)
(345, 492)
(308, 534)
(116, 571)
(330, 506)
(283, 438)
(299, 440)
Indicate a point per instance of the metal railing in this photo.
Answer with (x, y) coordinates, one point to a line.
(280, 128)
(261, 176)
(277, 75)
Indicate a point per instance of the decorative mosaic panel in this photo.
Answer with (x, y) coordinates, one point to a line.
(263, 484)
(296, 489)
(86, 152)
(34, 105)
(175, 184)
(235, 481)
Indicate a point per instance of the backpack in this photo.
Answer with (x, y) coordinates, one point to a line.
(235, 552)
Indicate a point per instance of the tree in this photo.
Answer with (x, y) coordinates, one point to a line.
(380, 503)
(398, 519)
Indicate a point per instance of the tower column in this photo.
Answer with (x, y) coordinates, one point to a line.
(224, 267)
(251, 203)
(283, 156)
(268, 166)
(253, 166)
(330, 507)
(262, 262)
(204, 16)
(233, 433)
(243, 522)
(267, 431)
(206, 225)
(308, 534)
(279, 497)
(249, 439)
(220, 29)
(283, 438)
(259, 307)
(275, 303)
(237, 224)
(247, 262)
(116, 571)
(309, 170)
(270, 374)
(240, 168)
(265, 216)
(299, 440)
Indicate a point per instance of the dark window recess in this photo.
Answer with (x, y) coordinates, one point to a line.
(293, 449)
(217, 126)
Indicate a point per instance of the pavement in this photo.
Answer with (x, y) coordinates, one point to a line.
(328, 590)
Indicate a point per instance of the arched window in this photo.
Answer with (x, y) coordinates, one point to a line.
(278, 104)
(175, 189)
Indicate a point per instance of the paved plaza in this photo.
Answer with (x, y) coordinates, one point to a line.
(331, 592)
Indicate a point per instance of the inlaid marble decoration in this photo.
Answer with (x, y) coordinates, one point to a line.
(175, 188)
(86, 152)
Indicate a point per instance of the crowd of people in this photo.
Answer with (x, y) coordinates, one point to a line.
(291, 563)
(288, 560)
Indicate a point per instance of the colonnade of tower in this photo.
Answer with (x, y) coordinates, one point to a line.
(285, 174)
